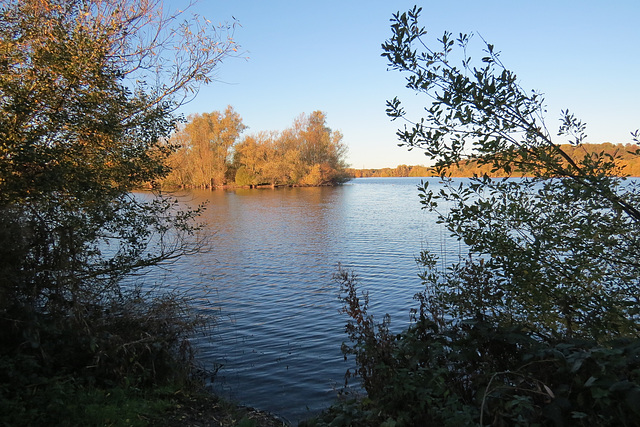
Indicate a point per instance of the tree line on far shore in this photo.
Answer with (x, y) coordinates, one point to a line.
(627, 163)
(398, 171)
(210, 153)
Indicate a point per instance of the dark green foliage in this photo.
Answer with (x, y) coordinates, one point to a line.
(133, 344)
(481, 112)
(63, 403)
(473, 372)
(554, 256)
(75, 140)
(558, 249)
(539, 324)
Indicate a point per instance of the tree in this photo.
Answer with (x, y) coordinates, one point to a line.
(205, 148)
(308, 153)
(561, 244)
(257, 160)
(319, 151)
(88, 89)
(322, 148)
(540, 322)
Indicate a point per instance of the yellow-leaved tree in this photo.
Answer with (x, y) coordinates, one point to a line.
(205, 149)
(307, 153)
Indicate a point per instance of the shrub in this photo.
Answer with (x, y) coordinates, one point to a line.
(539, 325)
(135, 342)
(474, 372)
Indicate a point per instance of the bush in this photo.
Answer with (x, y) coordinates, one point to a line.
(87, 107)
(539, 325)
(245, 178)
(475, 372)
(136, 342)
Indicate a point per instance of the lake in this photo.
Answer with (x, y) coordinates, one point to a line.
(268, 281)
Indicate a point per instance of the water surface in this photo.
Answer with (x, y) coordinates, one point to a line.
(268, 280)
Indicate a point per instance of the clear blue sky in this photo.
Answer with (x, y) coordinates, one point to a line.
(325, 55)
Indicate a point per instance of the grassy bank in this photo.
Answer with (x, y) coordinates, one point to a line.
(64, 402)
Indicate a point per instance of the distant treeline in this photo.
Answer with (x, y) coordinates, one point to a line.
(398, 171)
(629, 163)
(210, 153)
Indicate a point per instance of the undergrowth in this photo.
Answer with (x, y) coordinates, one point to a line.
(473, 372)
(110, 368)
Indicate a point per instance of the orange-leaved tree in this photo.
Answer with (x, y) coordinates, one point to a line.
(307, 153)
(205, 149)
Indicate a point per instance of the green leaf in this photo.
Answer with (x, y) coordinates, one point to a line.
(590, 381)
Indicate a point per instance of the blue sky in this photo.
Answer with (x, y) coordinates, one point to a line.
(325, 55)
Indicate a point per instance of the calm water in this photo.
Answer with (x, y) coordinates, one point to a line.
(268, 280)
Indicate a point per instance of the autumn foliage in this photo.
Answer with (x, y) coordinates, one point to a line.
(397, 172)
(211, 153)
(205, 144)
(626, 162)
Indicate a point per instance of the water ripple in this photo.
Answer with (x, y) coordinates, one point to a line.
(268, 280)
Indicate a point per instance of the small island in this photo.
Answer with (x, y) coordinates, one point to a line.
(209, 153)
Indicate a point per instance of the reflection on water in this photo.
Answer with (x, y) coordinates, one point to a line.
(268, 279)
